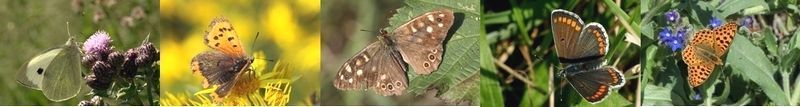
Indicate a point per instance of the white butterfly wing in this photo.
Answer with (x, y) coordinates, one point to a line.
(32, 73)
(62, 78)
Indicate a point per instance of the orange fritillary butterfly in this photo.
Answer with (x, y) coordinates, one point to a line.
(705, 50)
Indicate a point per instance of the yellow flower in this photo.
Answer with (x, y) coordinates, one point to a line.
(274, 84)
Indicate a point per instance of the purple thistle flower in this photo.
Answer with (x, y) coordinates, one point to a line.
(98, 43)
(715, 22)
(672, 16)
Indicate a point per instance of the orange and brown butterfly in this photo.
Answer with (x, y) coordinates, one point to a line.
(705, 50)
(227, 66)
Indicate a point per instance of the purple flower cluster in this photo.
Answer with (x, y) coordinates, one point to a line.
(106, 64)
(673, 35)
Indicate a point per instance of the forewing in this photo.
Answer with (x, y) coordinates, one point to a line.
(33, 72)
(566, 27)
(420, 40)
(724, 37)
(222, 37)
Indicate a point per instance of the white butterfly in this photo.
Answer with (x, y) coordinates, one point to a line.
(57, 72)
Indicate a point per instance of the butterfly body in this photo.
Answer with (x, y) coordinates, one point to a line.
(705, 51)
(227, 64)
(381, 66)
(581, 48)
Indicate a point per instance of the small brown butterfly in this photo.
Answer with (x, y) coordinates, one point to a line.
(227, 65)
(380, 66)
(705, 50)
(581, 49)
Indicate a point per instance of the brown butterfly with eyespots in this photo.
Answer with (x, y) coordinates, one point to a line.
(381, 65)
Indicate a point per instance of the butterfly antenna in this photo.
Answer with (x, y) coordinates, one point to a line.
(68, 34)
(253, 45)
(270, 60)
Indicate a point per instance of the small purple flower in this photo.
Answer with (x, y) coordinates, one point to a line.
(681, 32)
(679, 37)
(697, 96)
(672, 16)
(748, 21)
(665, 33)
(99, 43)
(715, 22)
(672, 39)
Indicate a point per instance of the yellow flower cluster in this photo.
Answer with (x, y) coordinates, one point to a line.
(289, 31)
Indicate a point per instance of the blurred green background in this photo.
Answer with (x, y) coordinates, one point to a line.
(30, 27)
(520, 64)
(349, 26)
(289, 32)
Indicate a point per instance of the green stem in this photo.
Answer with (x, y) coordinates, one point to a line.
(622, 15)
(135, 93)
(519, 20)
(796, 96)
(149, 80)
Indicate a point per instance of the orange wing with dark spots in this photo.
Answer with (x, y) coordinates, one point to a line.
(705, 50)
(221, 36)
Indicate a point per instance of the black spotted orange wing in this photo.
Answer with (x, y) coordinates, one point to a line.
(705, 50)
(221, 36)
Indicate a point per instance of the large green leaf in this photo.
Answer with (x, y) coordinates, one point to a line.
(491, 94)
(456, 79)
(734, 6)
(749, 61)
